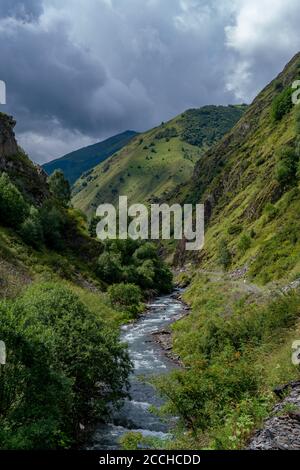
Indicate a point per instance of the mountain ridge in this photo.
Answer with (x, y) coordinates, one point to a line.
(75, 163)
(149, 167)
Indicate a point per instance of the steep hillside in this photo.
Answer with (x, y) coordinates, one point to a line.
(243, 287)
(150, 166)
(249, 183)
(76, 163)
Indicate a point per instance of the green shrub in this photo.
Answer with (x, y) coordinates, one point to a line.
(286, 168)
(53, 220)
(146, 274)
(109, 267)
(282, 104)
(13, 208)
(224, 256)
(297, 120)
(31, 229)
(60, 187)
(235, 229)
(134, 261)
(125, 296)
(64, 366)
(244, 243)
(271, 211)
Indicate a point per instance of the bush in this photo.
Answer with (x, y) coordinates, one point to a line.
(64, 366)
(297, 120)
(234, 229)
(53, 220)
(31, 229)
(125, 296)
(282, 104)
(146, 274)
(13, 208)
(286, 168)
(224, 255)
(109, 267)
(244, 243)
(271, 211)
(60, 187)
(134, 261)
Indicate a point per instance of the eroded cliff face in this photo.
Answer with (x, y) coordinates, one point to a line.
(8, 144)
(28, 177)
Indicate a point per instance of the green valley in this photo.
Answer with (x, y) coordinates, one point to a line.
(155, 162)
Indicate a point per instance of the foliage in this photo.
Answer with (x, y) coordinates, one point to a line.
(13, 208)
(244, 243)
(224, 391)
(31, 229)
(167, 133)
(224, 256)
(134, 261)
(60, 187)
(206, 125)
(109, 267)
(93, 226)
(53, 221)
(282, 104)
(125, 296)
(286, 169)
(64, 366)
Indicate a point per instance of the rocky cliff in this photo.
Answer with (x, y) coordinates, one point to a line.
(30, 178)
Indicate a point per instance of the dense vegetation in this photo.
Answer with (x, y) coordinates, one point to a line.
(207, 125)
(235, 348)
(134, 261)
(64, 366)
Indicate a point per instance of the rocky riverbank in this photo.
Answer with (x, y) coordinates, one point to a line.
(281, 431)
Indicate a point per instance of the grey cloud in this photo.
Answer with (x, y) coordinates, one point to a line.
(78, 71)
(25, 10)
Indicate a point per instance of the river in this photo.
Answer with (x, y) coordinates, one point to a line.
(149, 359)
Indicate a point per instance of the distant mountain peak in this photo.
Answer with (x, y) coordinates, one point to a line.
(75, 163)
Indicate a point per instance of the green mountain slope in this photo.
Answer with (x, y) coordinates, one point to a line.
(153, 163)
(236, 342)
(76, 163)
(249, 183)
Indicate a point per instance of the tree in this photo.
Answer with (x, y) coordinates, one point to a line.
(64, 365)
(31, 229)
(126, 296)
(244, 243)
(286, 168)
(13, 208)
(224, 254)
(109, 267)
(60, 187)
(282, 104)
(53, 222)
(93, 226)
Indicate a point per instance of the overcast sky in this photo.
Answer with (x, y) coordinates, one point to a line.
(78, 71)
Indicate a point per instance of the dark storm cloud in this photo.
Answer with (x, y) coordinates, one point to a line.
(80, 70)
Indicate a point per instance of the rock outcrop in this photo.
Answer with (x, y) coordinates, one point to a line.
(282, 430)
(8, 144)
(31, 179)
